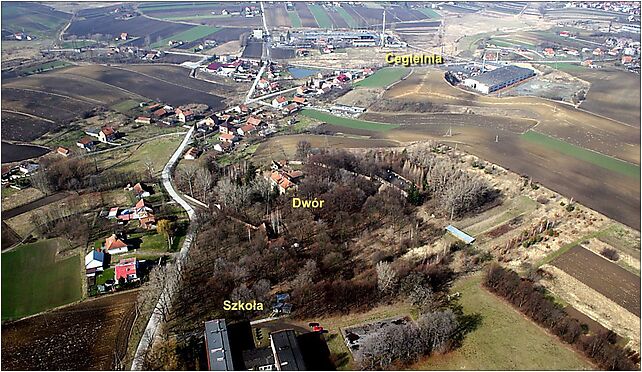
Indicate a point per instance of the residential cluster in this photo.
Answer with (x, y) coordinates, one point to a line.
(283, 177)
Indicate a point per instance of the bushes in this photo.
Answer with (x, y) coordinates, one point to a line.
(610, 253)
(524, 295)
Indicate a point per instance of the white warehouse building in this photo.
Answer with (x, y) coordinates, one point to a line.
(497, 79)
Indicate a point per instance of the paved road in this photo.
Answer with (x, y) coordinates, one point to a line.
(168, 292)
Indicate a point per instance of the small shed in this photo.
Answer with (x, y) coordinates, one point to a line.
(460, 234)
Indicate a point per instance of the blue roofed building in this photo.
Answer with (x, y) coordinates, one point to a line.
(460, 234)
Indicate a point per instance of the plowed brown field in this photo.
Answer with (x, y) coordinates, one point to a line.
(607, 278)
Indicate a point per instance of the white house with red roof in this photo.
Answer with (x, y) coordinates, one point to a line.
(246, 130)
(279, 102)
(107, 134)
(115, 245)
(227, 137)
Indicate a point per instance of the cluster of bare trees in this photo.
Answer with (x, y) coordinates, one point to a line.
(236, 195)
(196, 179)
(455, 190)
(600, 347)
(404, 344)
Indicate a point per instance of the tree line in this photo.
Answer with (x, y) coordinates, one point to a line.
(600, 347)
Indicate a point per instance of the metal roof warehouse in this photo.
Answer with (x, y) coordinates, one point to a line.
(499, 78)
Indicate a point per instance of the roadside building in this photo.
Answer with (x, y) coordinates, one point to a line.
(86, 143)
(107, 134)
(217, 343)
(226, 128)
(499, 78)
(141, 190)
(246, 130)
(114, 245)
(227, 137)
(94, 262)
(183, 115)
(279, 102)
(127, 269)
(191, 154)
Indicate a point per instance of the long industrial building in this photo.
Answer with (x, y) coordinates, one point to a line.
(499, 78)
(219, 357)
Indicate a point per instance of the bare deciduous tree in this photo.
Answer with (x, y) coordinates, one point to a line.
(188, 174)
(386, 276)
(203, 182)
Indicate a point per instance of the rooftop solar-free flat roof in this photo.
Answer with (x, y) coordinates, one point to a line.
(502, 74)
(218, 346)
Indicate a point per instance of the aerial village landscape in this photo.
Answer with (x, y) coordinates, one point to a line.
(273, 185)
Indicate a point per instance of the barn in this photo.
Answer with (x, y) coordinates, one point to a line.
(499, 78)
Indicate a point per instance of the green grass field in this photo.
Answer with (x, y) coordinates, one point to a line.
(294, 18)
(510, 43)
(322, 18)
(505, 339)
(190, 35)
(601, 160)
(567, 67)
(384, 77)
(348, 122)
(77, 43)
(125, 106)
(196, 17)
(33, 281)
(429, 13)
(155, 6)
(347, 17)
(47, 66)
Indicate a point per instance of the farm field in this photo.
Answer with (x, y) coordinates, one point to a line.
(83, 336)
(155, 89)
(284, 147)
(320, 15)
(306, 17)
(605, 277)
(600, 98)
(616, 165)
(35, 279)
(133, 158)
(140, 28)
(347, 122)
(190, 35)
(278, 16)
(347, 17)
(383, 77)
(32, 18)
(429, 13)
(488, 347)
(179, 75)
(560, 172)
(294, 19)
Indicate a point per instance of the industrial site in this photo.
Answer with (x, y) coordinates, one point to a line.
(289, 185)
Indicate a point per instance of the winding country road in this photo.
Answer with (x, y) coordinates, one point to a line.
(168, 292)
